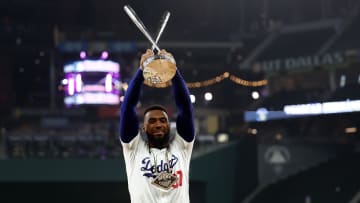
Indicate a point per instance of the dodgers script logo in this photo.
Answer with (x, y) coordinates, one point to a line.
(149, 170)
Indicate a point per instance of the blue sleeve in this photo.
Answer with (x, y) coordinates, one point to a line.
(185, 118)
(129, 123)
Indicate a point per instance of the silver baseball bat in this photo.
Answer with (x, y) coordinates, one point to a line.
(164, 21)
(131, 13)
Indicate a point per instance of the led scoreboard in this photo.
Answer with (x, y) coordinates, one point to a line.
(91, 82)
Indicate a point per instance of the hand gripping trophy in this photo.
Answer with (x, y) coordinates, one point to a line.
(160, 68)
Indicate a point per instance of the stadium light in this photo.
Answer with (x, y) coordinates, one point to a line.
(255, 95)
(104, 55)
(192, 98)
(208, 96)
(222, 138)
(82, 54)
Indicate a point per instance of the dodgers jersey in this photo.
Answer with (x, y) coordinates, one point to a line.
(140, 169)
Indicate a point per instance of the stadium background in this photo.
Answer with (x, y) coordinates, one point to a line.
(265, 134)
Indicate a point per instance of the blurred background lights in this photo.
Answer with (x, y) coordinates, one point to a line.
(78, 83)
(82, 54)
(342, 81)
(255, 95)
(208, 96)
(192, 98)
(104, 55)
(222, 138)
(108, 83)
(64, 81)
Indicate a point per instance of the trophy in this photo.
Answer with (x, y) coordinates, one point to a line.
(160, 68)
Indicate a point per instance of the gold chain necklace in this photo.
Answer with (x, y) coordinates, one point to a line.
(169, 168)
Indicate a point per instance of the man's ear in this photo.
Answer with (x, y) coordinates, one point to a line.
(143, 127)
(143, 133)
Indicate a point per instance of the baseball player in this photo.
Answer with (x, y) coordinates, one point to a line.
(157, 167)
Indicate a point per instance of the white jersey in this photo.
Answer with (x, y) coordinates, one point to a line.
(139, 160)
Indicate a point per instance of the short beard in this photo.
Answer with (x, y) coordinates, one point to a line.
(159, 143)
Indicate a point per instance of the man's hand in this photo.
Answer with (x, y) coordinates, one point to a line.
(147, 54)
(150, 53)
(164, 52)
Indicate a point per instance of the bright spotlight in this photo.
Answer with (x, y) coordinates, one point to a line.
(255, 95)
(222, 138)
(208, 96)
(82, 54)
(192, 98)
(104, 55)
(64, 81)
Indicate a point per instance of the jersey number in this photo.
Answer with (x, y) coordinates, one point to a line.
(179, 174)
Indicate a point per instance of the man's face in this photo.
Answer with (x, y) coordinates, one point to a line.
(157, 127)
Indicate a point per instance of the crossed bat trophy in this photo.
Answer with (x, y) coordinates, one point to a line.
(159, 68)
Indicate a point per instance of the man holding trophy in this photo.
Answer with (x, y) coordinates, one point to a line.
(157, 167)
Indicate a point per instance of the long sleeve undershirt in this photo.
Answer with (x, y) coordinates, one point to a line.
(129, 123)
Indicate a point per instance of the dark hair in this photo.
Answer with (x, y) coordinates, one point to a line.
(155, 107)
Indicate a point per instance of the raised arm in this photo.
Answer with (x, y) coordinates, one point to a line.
(185, 118)
(129, 123)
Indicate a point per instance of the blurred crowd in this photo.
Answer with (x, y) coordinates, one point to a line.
(82, 140)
